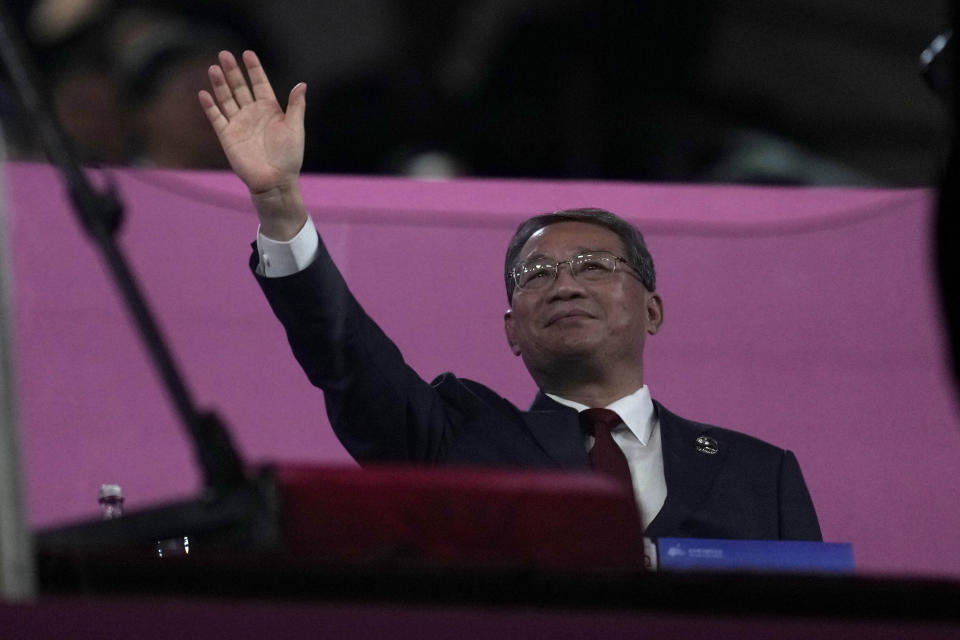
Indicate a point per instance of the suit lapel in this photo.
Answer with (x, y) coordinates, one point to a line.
(689, 473)
(556, 429)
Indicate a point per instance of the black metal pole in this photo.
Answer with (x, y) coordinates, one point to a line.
(947, 226)
(101, 213)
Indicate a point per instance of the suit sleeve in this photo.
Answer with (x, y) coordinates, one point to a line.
(380, 409)
(798, 519)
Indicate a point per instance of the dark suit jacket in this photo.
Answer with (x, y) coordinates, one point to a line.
(382, 411)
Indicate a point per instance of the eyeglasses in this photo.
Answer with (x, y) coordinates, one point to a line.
(595, 266)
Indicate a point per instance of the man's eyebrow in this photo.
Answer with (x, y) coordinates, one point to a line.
(577, 251)
(593, 250)
(536, 256)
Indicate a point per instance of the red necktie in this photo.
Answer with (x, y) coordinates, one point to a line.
(605, 456)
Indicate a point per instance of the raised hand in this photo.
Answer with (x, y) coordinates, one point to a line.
(263, 144)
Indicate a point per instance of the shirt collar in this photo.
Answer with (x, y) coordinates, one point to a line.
(636, 411)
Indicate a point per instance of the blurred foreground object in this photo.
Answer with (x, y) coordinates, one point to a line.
(16, 551)
(939, 69)
(938, 64)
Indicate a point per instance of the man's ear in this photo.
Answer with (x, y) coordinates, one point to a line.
(654, 313)
(510, 331)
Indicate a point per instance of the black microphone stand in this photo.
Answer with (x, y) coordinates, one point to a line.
(101, 214)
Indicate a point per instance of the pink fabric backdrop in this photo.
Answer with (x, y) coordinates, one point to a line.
(806, 317)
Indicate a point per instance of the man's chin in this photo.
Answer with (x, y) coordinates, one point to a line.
(572, 322)
(573, 338)
(569, 353)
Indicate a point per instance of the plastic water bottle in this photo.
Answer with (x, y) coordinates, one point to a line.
(111, 501)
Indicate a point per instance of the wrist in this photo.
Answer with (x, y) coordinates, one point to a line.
(281, 210)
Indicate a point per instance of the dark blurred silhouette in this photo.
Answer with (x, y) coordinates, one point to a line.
(159, 62)
(119, 74)
(744, 91)
(939, 66)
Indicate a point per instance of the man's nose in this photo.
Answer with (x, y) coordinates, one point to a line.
(566, 284)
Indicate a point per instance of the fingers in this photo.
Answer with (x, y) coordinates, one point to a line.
(210, 108)
(222, 91)
(235, 80)
(297, 105)
(230, 87)
(258, 77)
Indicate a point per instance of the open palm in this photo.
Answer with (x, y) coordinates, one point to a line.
(263, 144)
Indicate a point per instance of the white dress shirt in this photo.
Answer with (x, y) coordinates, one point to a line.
(639, 438)
(280, 258)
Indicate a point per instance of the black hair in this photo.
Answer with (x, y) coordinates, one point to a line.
(638, 256)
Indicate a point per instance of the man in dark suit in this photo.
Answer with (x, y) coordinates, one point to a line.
(582, 296)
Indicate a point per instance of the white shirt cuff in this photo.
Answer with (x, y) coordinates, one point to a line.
(280, 258)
